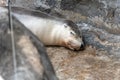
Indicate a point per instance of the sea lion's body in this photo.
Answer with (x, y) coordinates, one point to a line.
(43, 28)
(50, 30)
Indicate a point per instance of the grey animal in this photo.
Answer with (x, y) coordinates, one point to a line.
(49, 29)
(32, 60)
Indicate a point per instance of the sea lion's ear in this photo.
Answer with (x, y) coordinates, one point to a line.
(65, 26)
(72, 33)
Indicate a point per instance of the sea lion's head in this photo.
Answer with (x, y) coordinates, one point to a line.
(72, 37)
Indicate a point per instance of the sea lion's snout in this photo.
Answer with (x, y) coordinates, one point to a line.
(79, 46)
(82, 46)
(75, 44)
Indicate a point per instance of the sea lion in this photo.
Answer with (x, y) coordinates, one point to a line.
(49, 29)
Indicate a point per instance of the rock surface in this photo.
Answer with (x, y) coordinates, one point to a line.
(22, 55)
(27, 60)
(99, 21)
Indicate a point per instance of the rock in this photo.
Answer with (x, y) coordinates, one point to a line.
(99, 21)
(29, 60)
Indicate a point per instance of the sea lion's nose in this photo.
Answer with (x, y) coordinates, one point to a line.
(82, 46)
